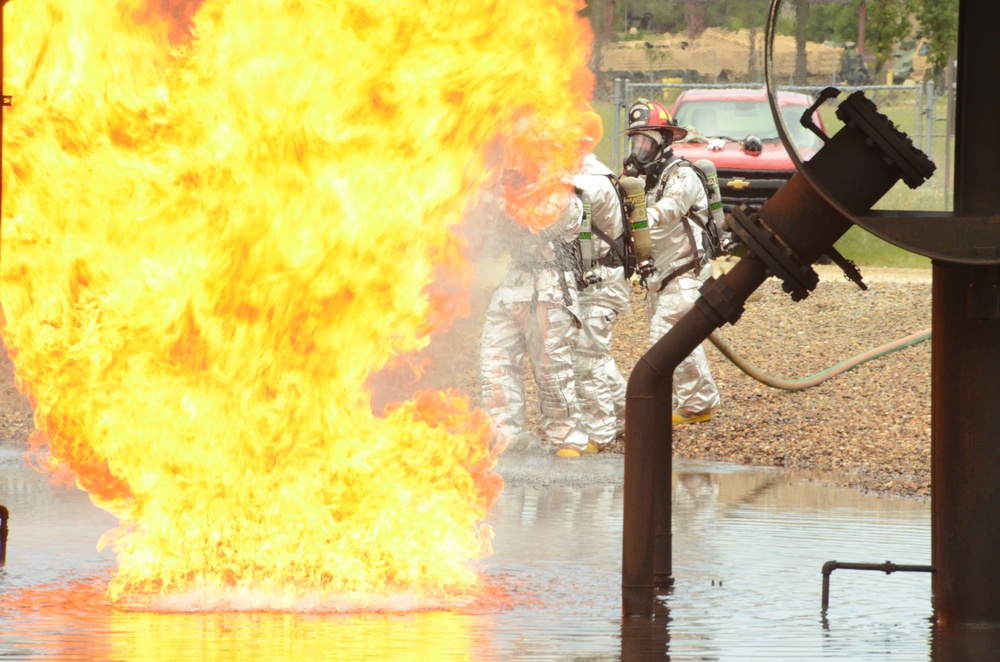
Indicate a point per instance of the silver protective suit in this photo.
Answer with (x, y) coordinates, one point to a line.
(534, 314)
(671, 231)
(600, 386)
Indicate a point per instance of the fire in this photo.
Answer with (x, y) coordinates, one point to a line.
(221, 218)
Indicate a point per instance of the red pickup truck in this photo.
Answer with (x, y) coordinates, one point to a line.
(734, 129)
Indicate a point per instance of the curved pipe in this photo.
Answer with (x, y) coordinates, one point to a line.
(647, 551)
(793, 229)
(648, 465)
(888, 568)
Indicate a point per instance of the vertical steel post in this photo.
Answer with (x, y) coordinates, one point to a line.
(3, 97)
(965, 367)
(4, 516)
(616, 127)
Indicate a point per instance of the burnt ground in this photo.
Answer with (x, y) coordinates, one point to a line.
(871, 425)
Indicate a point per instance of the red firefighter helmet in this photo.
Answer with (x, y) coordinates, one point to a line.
(645, 115)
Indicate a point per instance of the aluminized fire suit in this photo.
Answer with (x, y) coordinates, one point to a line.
(599, 383)
(534, 313)
(678, 243)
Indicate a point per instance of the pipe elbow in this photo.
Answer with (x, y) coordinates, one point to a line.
(648, 378)
(654, 372)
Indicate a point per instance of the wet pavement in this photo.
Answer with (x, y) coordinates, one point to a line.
(749, 546)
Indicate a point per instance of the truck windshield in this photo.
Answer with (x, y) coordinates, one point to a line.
(739, 119)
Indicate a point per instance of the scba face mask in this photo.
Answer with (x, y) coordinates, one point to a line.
(643, 150)
(643, 147)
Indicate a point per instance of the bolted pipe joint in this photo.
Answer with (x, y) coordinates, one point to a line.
(856, 167)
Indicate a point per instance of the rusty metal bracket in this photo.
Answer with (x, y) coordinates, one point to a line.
(851, 271)
(807, 117)
(966, 239)
(888, 568)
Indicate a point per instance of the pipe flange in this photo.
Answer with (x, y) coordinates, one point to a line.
(860, 112)
(798, 279)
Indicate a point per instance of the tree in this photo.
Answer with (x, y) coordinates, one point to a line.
(752, 15)
(835, 20)
(601, 14)
(801, 28)
(939, 24)
(886, 23)
(695, 10)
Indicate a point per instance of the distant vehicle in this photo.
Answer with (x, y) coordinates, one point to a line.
(853, 70)
(734, 129)
(910, 64)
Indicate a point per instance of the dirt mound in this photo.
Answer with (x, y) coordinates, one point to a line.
(717, 54)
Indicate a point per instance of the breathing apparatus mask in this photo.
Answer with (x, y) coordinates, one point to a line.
(646, 149)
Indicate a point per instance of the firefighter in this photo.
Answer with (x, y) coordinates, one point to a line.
(676, 209)
(534, 314)
(604, 295)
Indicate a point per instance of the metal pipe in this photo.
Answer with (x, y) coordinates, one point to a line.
(4, 516)
(616, 124)
(888, 568)
(4, 101)
(858, 165)
(965, 419)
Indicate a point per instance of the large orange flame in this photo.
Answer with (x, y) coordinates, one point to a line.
(219, 219)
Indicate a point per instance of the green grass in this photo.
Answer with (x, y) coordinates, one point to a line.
(603, 149)
(863, 248)
(866, 250)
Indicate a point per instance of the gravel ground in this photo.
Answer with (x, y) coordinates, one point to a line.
(870, 425)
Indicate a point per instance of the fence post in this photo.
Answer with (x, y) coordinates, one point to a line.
(919, 122)
(949, 85)
(928, 86)
(616, 124)
(627, 94)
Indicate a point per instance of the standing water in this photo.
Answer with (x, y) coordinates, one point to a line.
(749, 546)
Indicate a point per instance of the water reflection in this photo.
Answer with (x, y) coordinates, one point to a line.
(749, 546)
(108, 634)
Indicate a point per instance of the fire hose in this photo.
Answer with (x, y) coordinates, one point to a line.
(823, 375)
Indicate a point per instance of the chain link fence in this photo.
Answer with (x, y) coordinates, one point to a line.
(921, 111)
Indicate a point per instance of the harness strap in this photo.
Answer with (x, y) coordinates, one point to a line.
(679, 271)
(613, 243)
(564, 285)
(686, 221)
(673, 164)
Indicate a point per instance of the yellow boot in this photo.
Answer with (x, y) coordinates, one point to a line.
(680, 418)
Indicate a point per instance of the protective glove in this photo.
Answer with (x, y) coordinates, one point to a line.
(728, 243)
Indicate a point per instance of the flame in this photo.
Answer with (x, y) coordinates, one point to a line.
(78, 623)
(219, 219)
